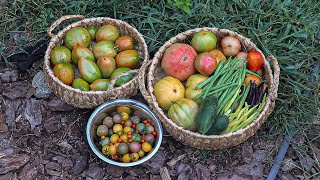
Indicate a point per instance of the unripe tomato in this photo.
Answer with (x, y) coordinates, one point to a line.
(255, 60)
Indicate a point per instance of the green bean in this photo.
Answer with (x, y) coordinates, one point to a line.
(251, 72)
(223, 103)
(229, 104)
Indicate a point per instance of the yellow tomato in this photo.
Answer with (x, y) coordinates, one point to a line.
(127, 129)
(112, 149)
(124, 116)
(117, 144)
(126, 158)
(121, 109)
(117, 128)
(134, 156)
(105, 150)
(146, 147)
(124, 138)
(114, 138)
(141, 153)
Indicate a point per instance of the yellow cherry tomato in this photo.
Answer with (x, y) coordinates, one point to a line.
(146, 147)
(141, 153)
(124, 116)
(117, 128)
(117, 144)
(112, 149)
(134, 156)
(105, 150)
(126, 158)
(127, 129)
(124, 138)
(121, 109)
(114, 138)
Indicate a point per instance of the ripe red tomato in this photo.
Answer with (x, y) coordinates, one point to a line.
(255, 60)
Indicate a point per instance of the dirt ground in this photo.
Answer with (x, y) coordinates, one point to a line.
(44, 138)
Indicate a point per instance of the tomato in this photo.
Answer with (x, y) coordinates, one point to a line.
(117, 128)
(128, 124)
(141, 153)
(149, 129)
(116, 118)
(255, 60)
(124, 138)
(115, 157)
(127, 129)
(217, 55)
(77, 36)
(114, 138)
(136, 137)
(126, 158)
(60, 54)
(154, 133)
(134, 156)
(135, 119)
(124, 116)
(121, 109)
(112, 150)
(107, 33)
(128, 58)
(125, 43)
(149, 138)
(122, 148)
(135, 147)
(252, 78)
(140, 127)
(146, 147)
(102, 130)
(64, 72)
(105, 150)
(80, 51)
(204, 41)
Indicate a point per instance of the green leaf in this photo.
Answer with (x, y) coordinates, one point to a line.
(186, 9)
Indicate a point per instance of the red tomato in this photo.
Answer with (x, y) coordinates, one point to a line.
(252, 78)
(255, 60)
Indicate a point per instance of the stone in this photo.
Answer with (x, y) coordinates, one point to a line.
(95, 172)
(17, 90)
(156, 162)
(33, 113)
(9, 76)
(39, 82)
(80, 165)
(13, 162)
(11, 108)
(28, 172)
(202, 172)
(56, 104)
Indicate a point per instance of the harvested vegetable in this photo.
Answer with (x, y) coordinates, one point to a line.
(207, 114)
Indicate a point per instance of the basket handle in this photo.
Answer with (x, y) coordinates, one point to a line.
(142, 82)
(113, 81)
(60, 20)
(276, 74)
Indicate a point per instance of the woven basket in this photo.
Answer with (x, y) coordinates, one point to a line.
(92, 99)
(194, 139)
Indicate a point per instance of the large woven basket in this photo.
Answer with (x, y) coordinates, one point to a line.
(194, 139)
(92, 99)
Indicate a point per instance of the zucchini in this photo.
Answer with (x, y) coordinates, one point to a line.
(207, 114)
(220, 124)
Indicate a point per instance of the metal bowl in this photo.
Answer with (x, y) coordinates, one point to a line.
(100, 112)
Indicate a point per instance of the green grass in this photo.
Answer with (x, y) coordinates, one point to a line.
(287, 30)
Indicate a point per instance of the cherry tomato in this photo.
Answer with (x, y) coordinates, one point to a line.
(130, 132)
(154, 133)
(124, 116)
(146, 147)
(114, 138)
(103, 137)
(105, 150)
(141, 153)
(126, 158)
(115, 157)
(129, 136)
(136, 131)
(252, 78)
(122, 122)
(119, 140)
(124, 137)
(133, 126)
(145, 121)
(112, 150)
(130, 140)
(127, 130)
(117, 128)
(134, 157)
(255, 60)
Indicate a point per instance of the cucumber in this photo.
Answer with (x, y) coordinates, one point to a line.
(220, 124)
(207, 114)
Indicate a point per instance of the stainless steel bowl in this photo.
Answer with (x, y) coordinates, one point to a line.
(96, 119)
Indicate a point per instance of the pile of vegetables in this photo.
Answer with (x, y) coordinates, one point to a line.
(126, 136)
(211, 90)
(97, 54)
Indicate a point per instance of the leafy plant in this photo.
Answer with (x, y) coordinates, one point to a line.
(181, 4)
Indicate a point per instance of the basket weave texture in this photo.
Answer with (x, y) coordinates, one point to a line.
(151, 72)
(92, 99)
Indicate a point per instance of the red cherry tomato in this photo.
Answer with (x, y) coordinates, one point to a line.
(255, 60)
(154, 133)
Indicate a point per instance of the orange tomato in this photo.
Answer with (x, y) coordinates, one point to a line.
(146, 147)
(124, 138)
(124, 116)
(255, 60)
(127, 130)
(252, 78)
(217, 55)
(112, 150)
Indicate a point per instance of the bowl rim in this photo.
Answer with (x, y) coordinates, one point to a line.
(123, 101)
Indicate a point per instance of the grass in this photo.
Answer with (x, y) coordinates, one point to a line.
(287, 30)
